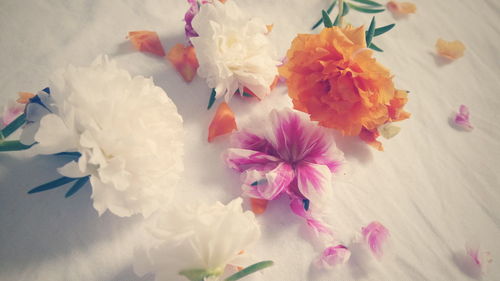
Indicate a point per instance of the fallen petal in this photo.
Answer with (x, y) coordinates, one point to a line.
(259, 206)
(222, 123)
(147, 41)
(184, 60)
(375, 234)
(450, 49)
(389, 131)
(403, 8)
(462, 118)
(333, 256)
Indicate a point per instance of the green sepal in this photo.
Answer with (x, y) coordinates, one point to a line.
(370, 32)
(369, 3)
(13, 146)
(383, 29)
(326, 19)
(51, 185)
(374, 47)
(13, 126)
(78, 184)
(211, 101)
(365, 10)
(329, 10)
(249, 270)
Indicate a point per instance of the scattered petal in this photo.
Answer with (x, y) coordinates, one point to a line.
(269, 28)
(450, 49)
(480, 259)
(222, 123)
(462, 118)
(184, 60)
(375, 234)
(388, 130)
(258, 205)
(403, 8)
(147, 41)
(333, 256)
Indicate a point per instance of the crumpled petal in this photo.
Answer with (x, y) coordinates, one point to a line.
(462, 118)
(481, 259)
(316, 224)
(403, 8)
(450, 49)
(184, 60)
(375, 234)
(388, 130)
(222, 123)
(333, 256)
(267, 183)
(147, 41)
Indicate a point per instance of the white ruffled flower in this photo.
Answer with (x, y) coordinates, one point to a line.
(126, 129)
(198, 237)
(233, 50)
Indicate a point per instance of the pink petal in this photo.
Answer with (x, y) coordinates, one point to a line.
(247, 140)
(480, 258)
(11, 112)
(243, 159)
(462, 118)
(297, 206)
(267, 183)
(375, 234)
(333, 256)
(314, 181)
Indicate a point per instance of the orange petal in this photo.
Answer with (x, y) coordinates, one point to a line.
(147, 41)
(222, 123)
(258, 205)
(269, 28)
(24, 97)
(403, 8)
(370, 137)
(184, 60)
(450, 49)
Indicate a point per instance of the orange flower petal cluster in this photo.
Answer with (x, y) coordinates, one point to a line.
(333, 77)
(184, 60)
(450, 49)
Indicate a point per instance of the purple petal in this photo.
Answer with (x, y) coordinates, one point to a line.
(243, 159)
(314, 181)
(462, 118)
(267, 183)
(375, 234)
(333, 256)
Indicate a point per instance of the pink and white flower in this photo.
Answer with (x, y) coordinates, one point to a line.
(375, 235)
(292, 156)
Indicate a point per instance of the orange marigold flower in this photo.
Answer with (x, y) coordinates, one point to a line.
(333, 77)
(450, 49)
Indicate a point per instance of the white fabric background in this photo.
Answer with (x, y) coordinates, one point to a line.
(434, 187)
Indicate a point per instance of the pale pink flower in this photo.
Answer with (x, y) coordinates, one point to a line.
(332, 256)
(289, 155)
(462, 118)
(375, 234)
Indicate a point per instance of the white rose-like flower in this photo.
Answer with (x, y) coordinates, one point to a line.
(233, 50)
(126, 129)
(198, 237)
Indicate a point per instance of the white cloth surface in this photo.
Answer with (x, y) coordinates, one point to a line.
(434, 187)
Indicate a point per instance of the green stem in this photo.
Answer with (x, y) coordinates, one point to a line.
(341, 12)
(249, 270)
(13, 126)
(13, 146)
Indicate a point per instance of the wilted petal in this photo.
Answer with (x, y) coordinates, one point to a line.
(266, 183)
(147, 41)
(222, 123)
(184, 60)
(450, 49)
(333, 256)
(403, 8)
(375, 234)
(462, 118)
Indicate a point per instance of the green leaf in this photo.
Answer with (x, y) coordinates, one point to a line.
(13, 146)
(326, 19)
(337, 21)
(211, 101)
(72, 154)
(365, 10)
(345, 9)
(369, 2)
(78, 184)
(249, 270)
(374, 47)
(199, 274)
(329, 10)
(52, 184)
(383, 29)
(14, 125)
(370, 32)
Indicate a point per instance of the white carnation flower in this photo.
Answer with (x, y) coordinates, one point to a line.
(233, 50)
(198, 238)
(126, 129)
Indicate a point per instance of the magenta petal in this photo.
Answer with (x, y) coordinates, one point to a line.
(267, 184)
(314, 181)
(243, 159)
(247, 140)
(479, 258)
(462, 118)
(297, 206)
(333, 256)
(375, 234)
